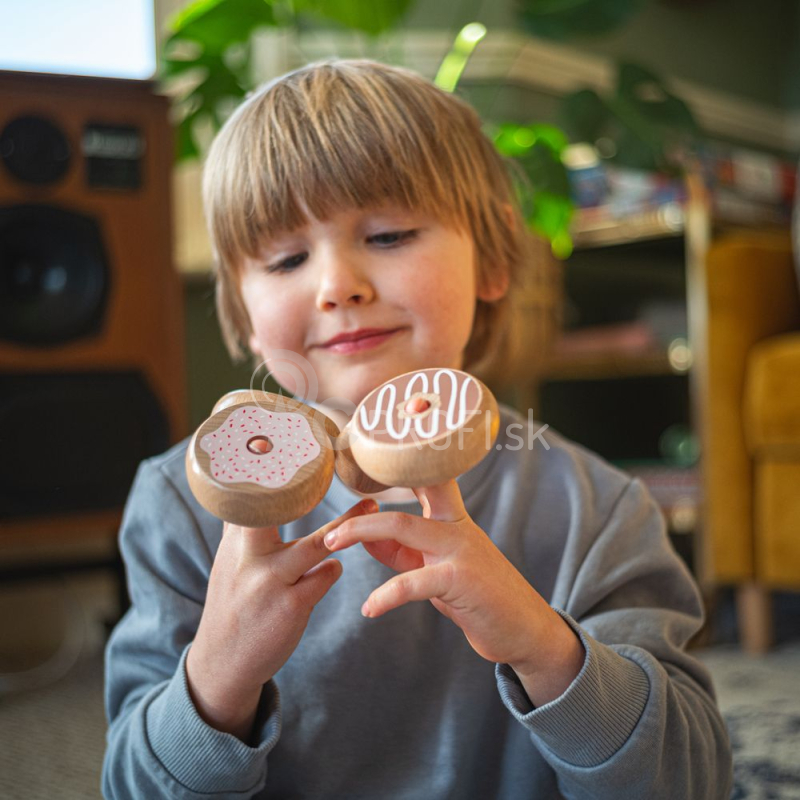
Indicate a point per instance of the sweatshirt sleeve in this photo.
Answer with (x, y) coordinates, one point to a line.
(157, 744)
(640, 720)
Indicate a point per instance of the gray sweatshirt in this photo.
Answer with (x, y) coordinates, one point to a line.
(401, 706)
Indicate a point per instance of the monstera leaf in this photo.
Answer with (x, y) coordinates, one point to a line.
(209, 49)
(642, 118)
(561, 19)
(215, 25)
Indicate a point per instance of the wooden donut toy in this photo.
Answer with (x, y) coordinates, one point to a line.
(423, 428)
(264, 459)
(261, 463)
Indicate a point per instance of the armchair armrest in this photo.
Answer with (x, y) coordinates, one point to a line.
(772, 397)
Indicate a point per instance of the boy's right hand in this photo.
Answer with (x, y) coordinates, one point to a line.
(261, 593)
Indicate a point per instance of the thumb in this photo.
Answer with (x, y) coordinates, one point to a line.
(314, 585)
(442, 502)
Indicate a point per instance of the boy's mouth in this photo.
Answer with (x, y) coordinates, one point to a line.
(361, 339)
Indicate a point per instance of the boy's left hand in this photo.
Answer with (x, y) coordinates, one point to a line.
(446, 558)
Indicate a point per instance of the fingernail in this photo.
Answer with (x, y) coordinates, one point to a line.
(330, 539)
(365, 609)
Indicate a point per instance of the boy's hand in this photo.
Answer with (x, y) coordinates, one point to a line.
(446, 558)
(260, 596)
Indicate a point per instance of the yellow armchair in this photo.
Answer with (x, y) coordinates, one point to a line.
(750, 400)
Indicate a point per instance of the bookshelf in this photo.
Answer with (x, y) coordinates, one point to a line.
(622, 379)
(627, 376)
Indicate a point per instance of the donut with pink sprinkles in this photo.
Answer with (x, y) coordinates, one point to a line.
(265, 448)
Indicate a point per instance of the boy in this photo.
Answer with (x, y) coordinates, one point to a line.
(363, 223)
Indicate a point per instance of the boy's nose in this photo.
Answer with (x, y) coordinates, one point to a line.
(343, 285)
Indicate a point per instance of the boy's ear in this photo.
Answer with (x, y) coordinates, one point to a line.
(511, 219)
(252, 343)
(493, 287)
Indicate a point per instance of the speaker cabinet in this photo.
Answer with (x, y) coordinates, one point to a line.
(92, 376)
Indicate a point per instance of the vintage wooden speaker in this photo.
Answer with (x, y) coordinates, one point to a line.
(92, 376)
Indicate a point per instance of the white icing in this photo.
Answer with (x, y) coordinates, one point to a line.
(387, 399)
(390, 391)
(293, 446)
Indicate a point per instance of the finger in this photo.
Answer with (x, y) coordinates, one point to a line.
(393, 555)
(299, 556)
(419, 584)
(255, 542)
(443, 502)
(314, 585)
(406, 529)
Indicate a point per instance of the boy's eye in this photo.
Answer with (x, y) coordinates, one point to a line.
(288, 264)
(392, 238)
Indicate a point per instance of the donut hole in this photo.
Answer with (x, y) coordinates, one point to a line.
(417, 405)
(259, 445)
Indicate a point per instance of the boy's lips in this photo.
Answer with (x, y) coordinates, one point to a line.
(361, 339)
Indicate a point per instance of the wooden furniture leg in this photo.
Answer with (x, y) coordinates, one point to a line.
(754, 613)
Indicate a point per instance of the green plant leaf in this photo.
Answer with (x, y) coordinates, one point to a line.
(562, 19)
(545, 170)
(584, 115)
(514, 140)
(369, 16)
(219, 83)
(186, 148)
(641, 118)
(217, 24)
(644, 91)
(175, 67)
(551, 218)
(545, 196)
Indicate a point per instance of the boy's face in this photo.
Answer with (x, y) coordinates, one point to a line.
(399, 284)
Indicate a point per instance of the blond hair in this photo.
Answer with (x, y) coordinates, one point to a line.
(351, 134)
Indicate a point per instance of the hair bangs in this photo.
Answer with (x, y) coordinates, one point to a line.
(323, 142)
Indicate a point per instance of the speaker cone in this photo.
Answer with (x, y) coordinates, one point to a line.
(53, 275)
(34, 150)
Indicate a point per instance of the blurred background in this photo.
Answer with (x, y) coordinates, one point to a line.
(655, 146)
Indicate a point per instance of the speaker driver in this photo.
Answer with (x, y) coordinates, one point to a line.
(53, 275)
(34, 150)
